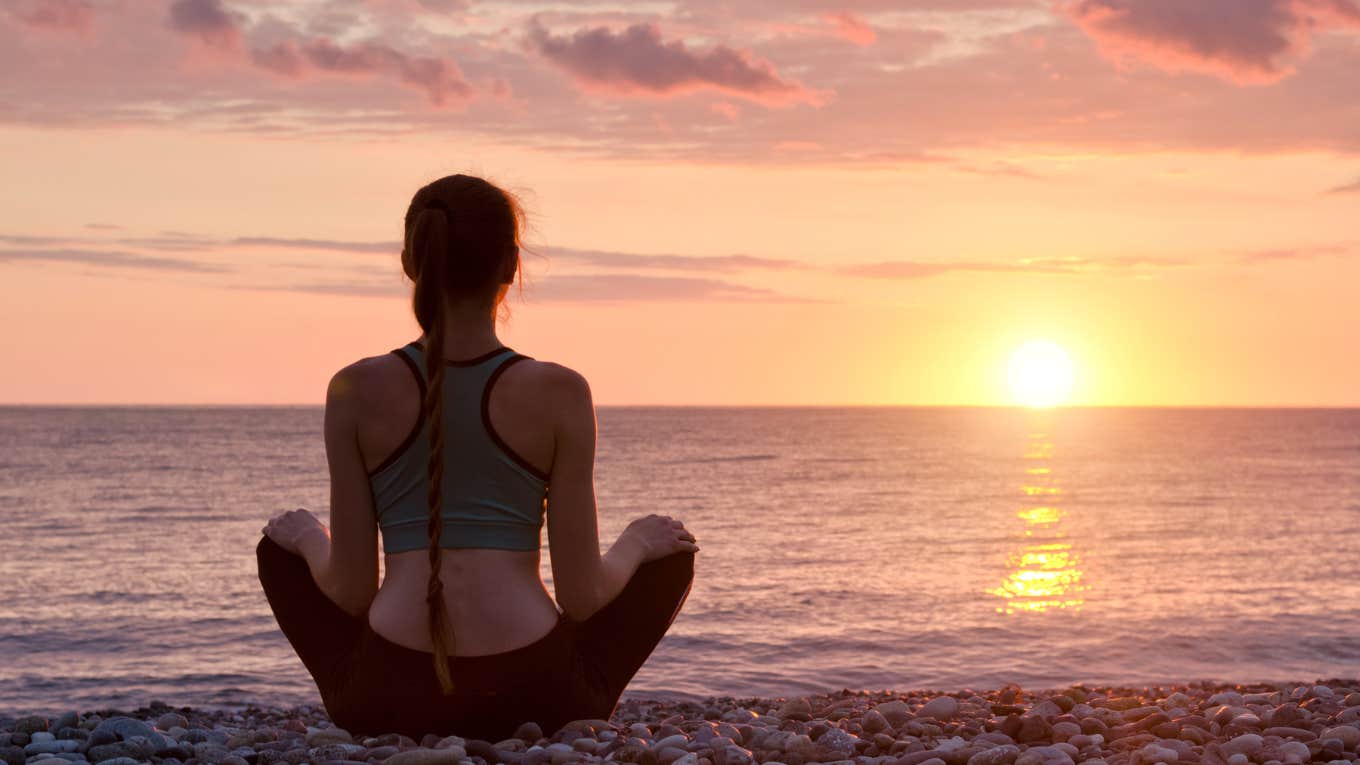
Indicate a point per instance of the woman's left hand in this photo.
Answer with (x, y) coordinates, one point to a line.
(294, 529)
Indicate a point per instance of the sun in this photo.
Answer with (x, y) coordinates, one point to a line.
(1040, 374)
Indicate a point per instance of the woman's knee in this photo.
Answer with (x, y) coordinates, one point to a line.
(271, 559)
(678, 567)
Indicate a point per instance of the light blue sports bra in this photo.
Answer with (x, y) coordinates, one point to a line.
(492, 497)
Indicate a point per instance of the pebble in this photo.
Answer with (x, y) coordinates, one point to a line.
(940, 708)
(1348, 734)
(324, 736)
(1247, 743)
(795, 709)
(896, 712)
(448, 756)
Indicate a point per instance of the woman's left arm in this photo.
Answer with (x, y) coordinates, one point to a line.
(344, 562)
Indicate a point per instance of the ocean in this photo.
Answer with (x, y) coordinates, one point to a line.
(865, 548)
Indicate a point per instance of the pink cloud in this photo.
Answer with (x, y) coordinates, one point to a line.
(206, 20)
(637, 60)
(63, 15)
(852, 28)
(1246, 41)
(440, 79)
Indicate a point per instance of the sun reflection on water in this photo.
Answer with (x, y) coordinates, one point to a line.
(1045, 571)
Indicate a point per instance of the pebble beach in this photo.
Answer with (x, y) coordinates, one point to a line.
(1196, 724)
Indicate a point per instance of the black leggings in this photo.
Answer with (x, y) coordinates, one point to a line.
(372, 686)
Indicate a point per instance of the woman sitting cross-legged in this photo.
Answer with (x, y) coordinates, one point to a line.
(455, 448)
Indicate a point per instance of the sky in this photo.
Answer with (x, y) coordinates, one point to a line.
(746, 202)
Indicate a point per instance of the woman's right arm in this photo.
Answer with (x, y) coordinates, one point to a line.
(583, 579)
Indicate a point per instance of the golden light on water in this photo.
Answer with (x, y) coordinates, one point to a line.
(1040, 374)
(1045, 570)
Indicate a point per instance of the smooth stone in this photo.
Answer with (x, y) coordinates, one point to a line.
(678, 740)
(1003, 754)
(448, 756)
(1043, 755)
(1064, 731)
(895, 712)
(234, 759)
(171, 720)
(30, 724)
(529, 732)
(667, 755)
(1295, 751)
(795, 709)
(1348, 734)
(1247, 743)
(940, 708)
(119, 761)
(952, 744)
(1048, 709)
(836, 742)
(1033, 730)
(1287, 732)
(1238, 759)
(874, 721)
(1155, 753)
(126, 727)
(1071, 750)
(324, 736)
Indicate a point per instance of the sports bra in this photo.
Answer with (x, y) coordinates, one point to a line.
(491, 496)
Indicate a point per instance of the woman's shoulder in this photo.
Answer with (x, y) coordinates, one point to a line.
(369, 379)
(553, 379)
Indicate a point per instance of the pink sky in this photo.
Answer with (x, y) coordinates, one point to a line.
(738, 202)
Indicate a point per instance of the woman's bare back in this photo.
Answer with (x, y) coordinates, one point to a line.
(496, 599)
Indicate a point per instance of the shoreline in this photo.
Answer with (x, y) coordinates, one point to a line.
(1186, 724)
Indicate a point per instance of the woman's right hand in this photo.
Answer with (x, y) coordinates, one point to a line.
(659, 536)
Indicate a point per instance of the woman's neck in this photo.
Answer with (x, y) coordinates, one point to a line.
(467, 334)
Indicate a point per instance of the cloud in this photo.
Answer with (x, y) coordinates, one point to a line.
(616, 288)
(1246, 41)
(638, 61)
(1294, 254)
(610, 259)
(206, 20)
(907, 269)
(851, 27)
(111, 258)
(1349, 188)
(296, 56)
(378, 248)
(63, 15)
(439, 78)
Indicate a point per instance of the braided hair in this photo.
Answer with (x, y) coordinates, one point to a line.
(462, 241)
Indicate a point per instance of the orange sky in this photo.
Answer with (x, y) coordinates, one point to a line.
(1181, 221)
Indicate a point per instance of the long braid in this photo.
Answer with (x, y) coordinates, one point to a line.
(487, 257)
(430, 244)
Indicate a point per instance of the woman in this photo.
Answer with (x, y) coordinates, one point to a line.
(448, 447)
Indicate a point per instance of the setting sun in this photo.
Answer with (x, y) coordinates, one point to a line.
(1040, 374)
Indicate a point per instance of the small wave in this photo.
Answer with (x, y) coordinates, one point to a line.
(732, 458)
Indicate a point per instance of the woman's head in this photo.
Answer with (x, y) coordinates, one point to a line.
(461, 244)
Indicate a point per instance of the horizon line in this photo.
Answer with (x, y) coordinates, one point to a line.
(1021, 407)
